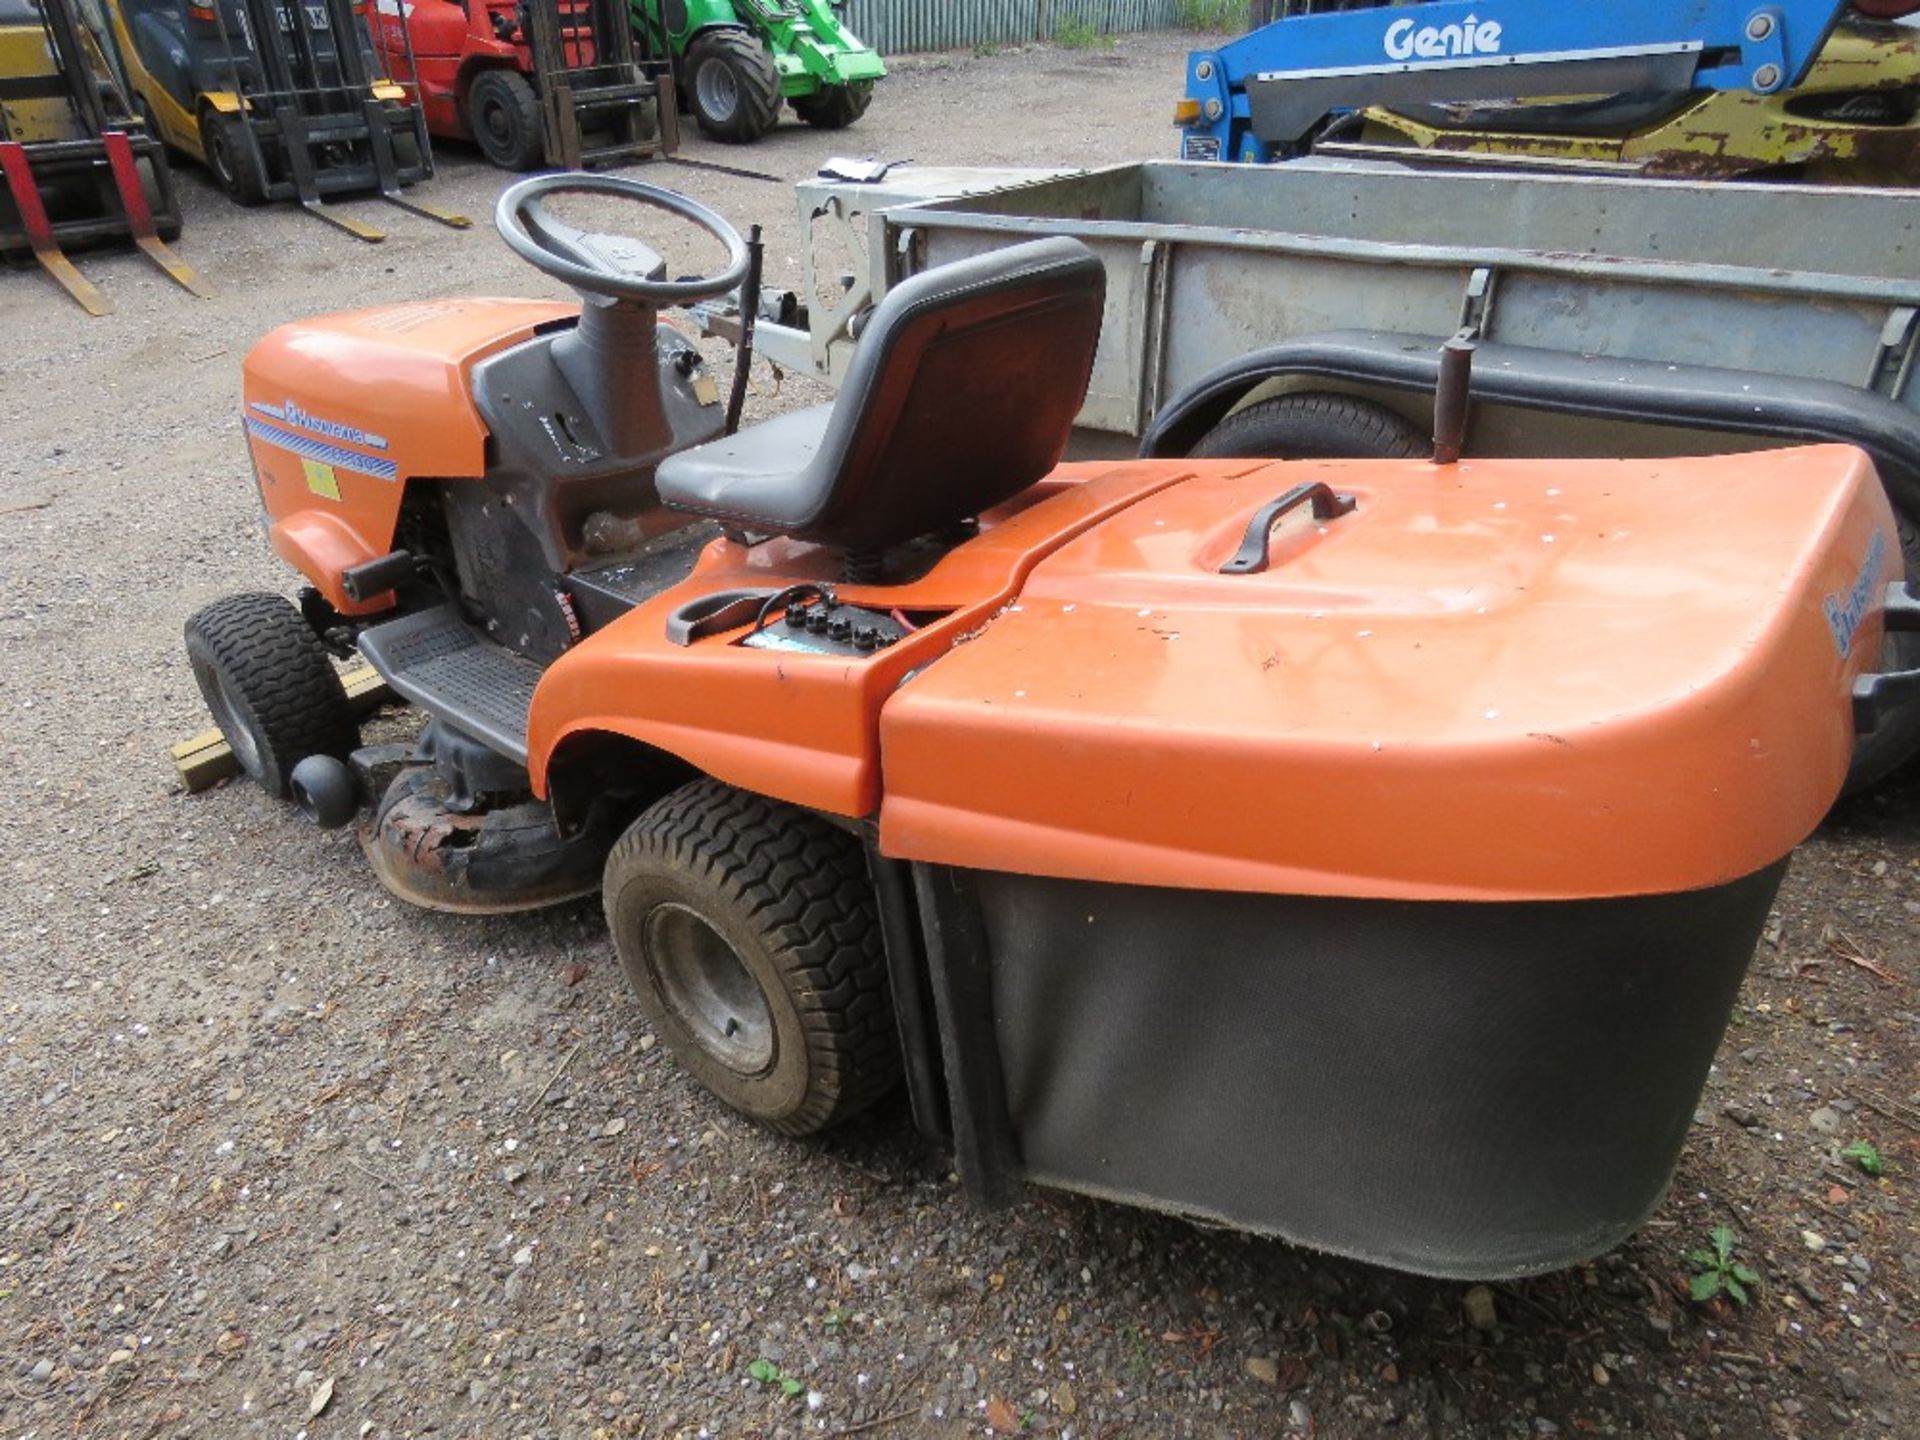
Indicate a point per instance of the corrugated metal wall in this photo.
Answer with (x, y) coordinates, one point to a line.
(895, 27)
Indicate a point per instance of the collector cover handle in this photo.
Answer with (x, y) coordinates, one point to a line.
(1251, 557)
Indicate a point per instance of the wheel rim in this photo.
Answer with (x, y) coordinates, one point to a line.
(227, 715)
(218, 160)
(497, 123)
(718, 91)
(709, 989)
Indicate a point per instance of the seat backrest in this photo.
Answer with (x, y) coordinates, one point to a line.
(962, 393)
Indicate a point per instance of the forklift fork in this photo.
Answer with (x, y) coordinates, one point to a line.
(306, 186)
(133, 199)
(389, 171)
(18, 171)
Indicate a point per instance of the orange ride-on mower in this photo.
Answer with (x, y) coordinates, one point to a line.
(1366, 852)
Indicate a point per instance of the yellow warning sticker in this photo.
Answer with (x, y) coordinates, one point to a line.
(320, 479)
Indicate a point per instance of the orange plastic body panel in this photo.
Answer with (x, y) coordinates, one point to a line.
(342, 410)
(1501, 680)
(803, 728)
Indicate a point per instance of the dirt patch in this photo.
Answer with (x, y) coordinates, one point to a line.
(280, 1143)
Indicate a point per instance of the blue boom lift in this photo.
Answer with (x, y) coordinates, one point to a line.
(1265, 95)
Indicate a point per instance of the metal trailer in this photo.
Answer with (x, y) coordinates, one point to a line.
(1609, 316)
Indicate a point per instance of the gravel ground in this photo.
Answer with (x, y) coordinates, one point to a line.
(291, 1158)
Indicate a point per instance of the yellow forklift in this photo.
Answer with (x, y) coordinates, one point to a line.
(280, 100)
(77, 166)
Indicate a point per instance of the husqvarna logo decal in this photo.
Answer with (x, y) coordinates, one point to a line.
(1410, 40)
(290, 413)
(1845, 612)
(313, 450)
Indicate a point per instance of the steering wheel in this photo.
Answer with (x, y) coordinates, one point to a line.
(611, 265)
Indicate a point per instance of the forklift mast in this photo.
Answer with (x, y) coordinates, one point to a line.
(589, 79)
(314, 118)
(1263, 96)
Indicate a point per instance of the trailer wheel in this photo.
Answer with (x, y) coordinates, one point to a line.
(271, 689)
(504, 115)
(732, 87)
(834, 107)
(1313, 426)
(232, 160)
(750, 934)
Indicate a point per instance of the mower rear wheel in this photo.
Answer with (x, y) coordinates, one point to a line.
(273, 692)
(750, 934)
(834, 107)
(223, 140)
(732, 87)
(504, 114)
(1313, 425)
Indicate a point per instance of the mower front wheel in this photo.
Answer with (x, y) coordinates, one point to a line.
(732, 86)
(231, 158)
(750, 934)
(834, 107)
(270, 687)
(504, 115)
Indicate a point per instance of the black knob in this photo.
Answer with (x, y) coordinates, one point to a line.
(817, 620)
(841, 628)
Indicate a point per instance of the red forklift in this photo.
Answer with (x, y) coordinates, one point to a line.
(531, 82)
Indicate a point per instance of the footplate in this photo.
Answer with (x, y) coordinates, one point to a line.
(442, 664)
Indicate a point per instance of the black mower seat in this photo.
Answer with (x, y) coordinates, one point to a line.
(962, 394)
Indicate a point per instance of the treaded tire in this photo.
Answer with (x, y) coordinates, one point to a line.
(271, 688)
(732, 87)
(715, 897)
(230, 159)
(834, 107)
(1313, 426)
(504, 115)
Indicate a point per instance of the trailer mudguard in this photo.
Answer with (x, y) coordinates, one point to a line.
(1789, 408)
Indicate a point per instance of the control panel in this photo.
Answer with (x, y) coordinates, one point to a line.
(819, 626)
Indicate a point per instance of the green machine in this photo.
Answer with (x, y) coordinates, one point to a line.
(736, 60)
